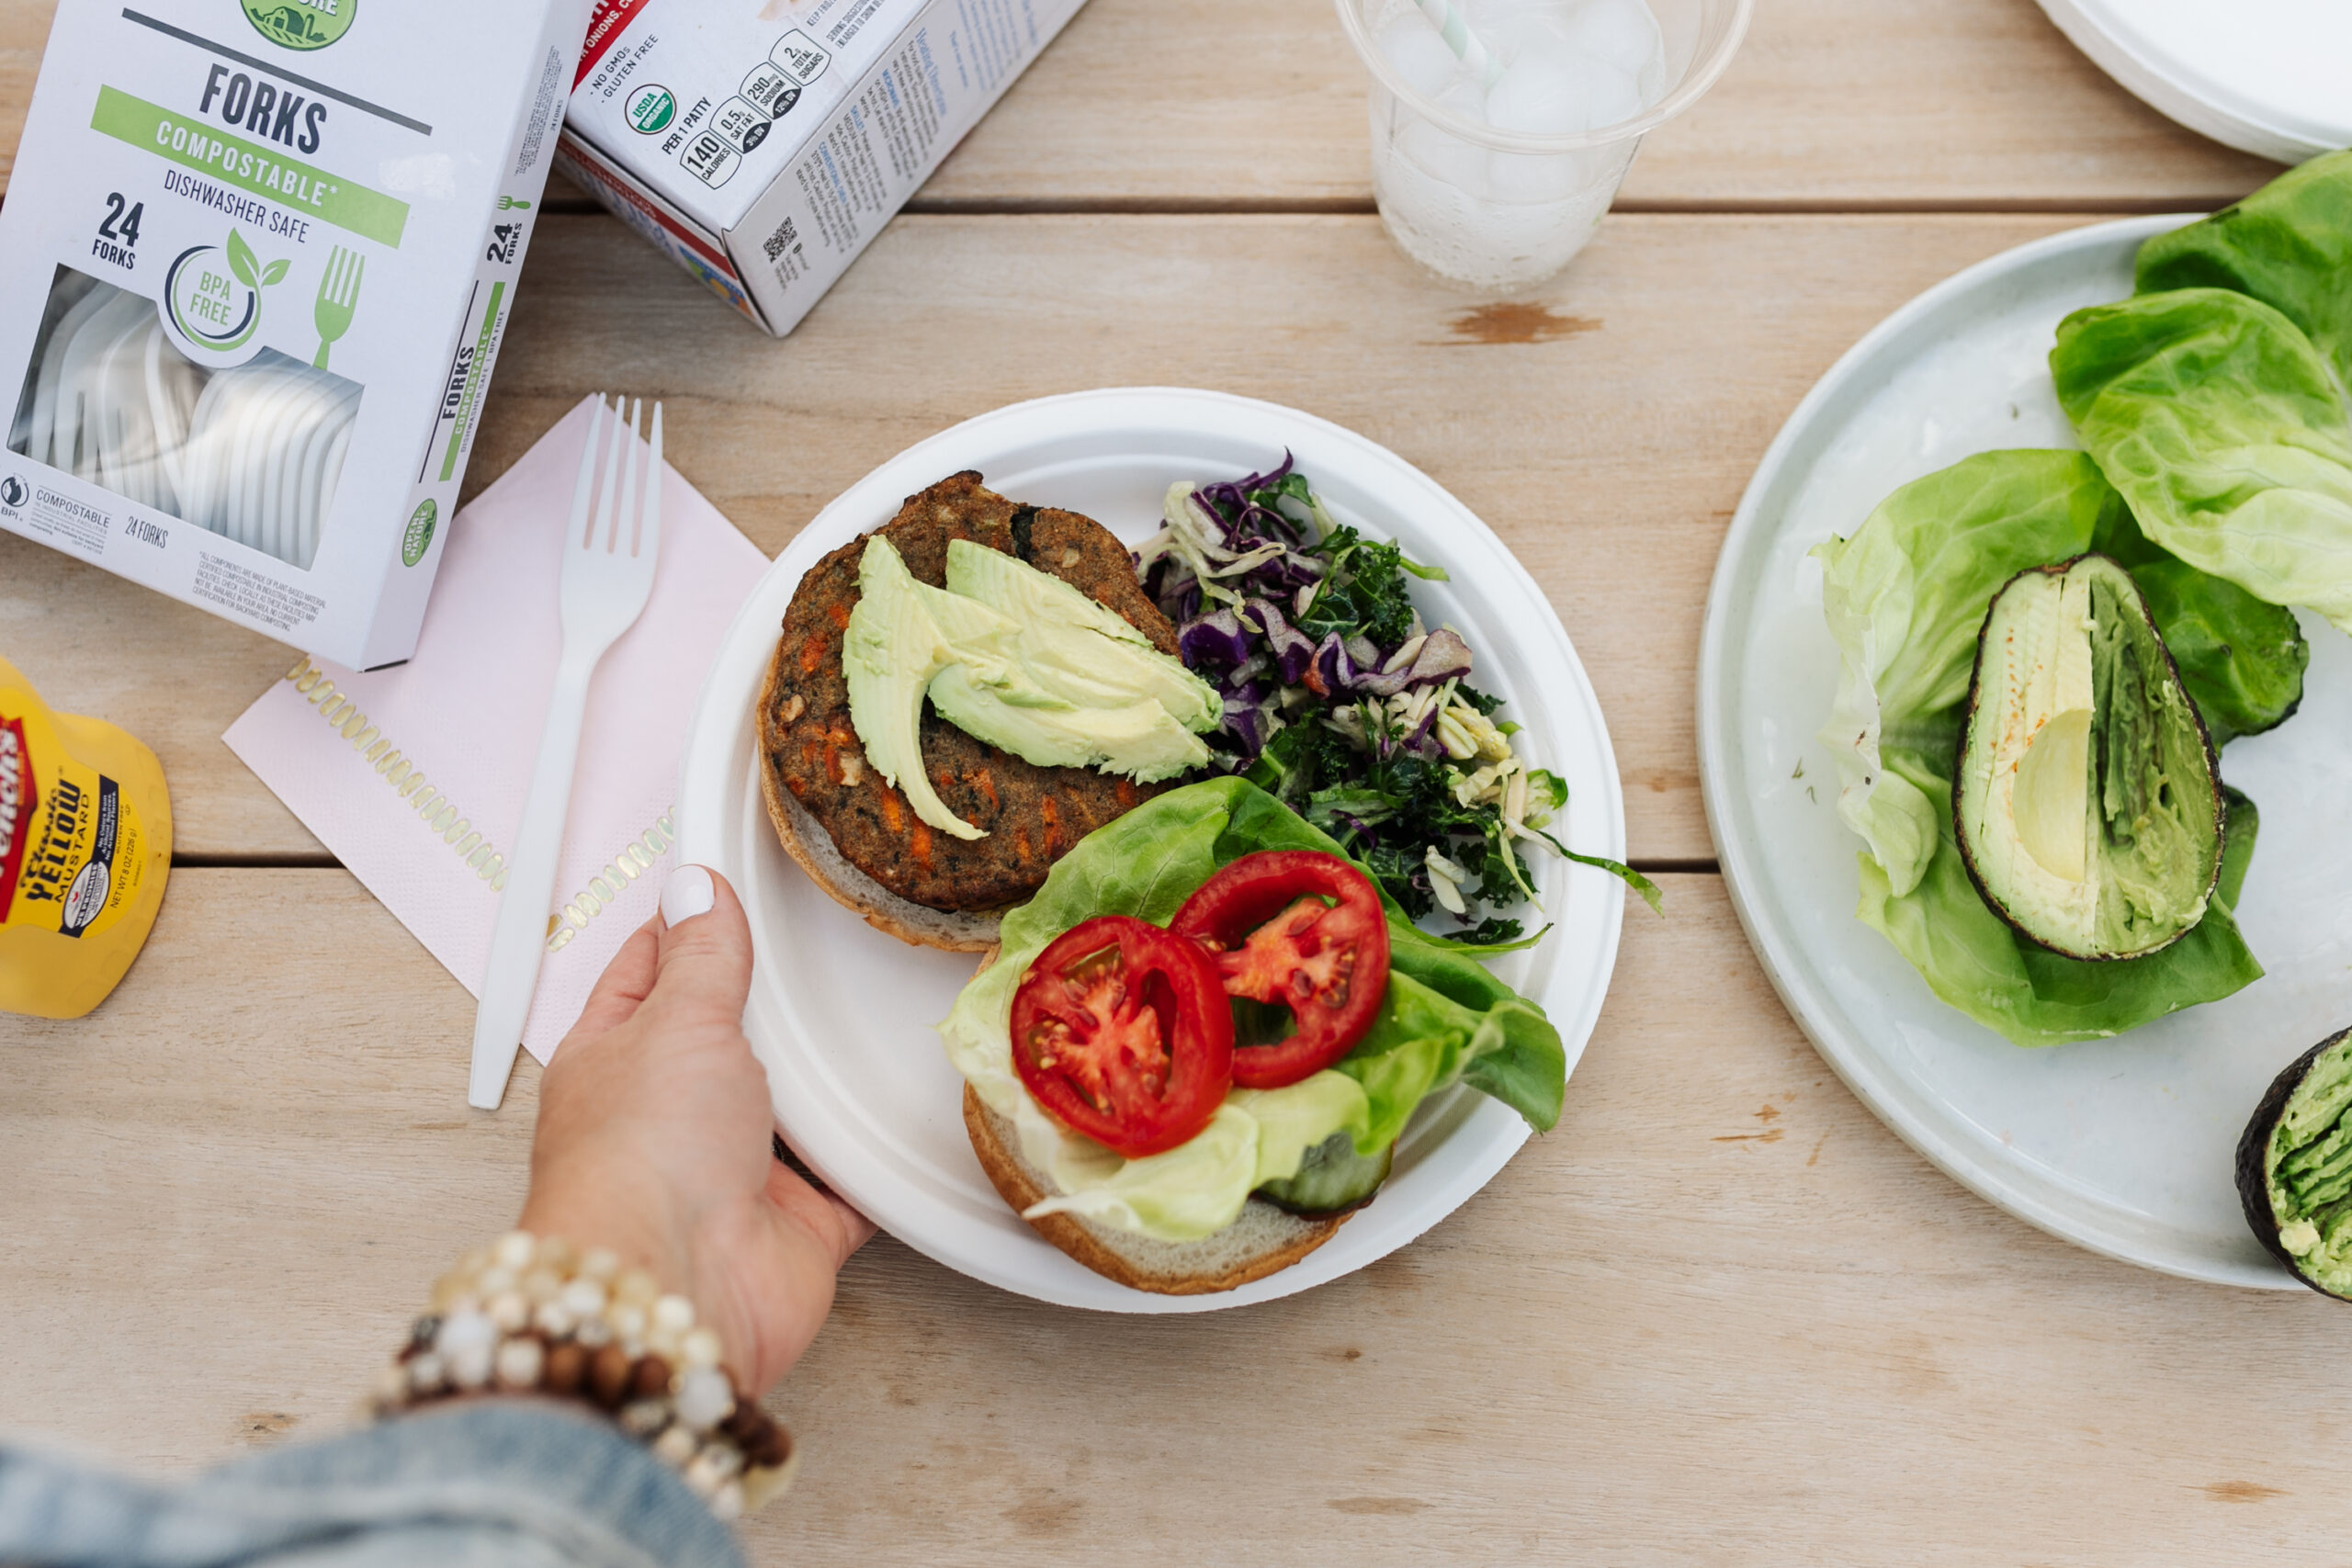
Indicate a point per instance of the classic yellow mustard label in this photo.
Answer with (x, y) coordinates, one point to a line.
(84, 848)
(73, 859)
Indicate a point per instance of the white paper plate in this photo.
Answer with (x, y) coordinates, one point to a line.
(842, 1015)
(2270, 78)
(2125, 1145)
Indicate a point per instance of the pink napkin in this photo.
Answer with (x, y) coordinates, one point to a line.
(414, 776)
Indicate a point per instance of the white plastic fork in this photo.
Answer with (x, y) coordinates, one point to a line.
(607, 575)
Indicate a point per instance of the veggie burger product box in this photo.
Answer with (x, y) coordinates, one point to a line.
(256, 260)
(761, 145)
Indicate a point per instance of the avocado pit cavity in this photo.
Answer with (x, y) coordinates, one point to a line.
(2051, 800)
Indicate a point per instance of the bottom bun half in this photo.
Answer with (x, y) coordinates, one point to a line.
(1261, 1241)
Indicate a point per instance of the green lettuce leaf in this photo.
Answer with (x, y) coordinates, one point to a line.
(2223, 429)
(2289, 245)
(2242, 660)
(1444, 1020)
(1974, 961)
(1905, 598)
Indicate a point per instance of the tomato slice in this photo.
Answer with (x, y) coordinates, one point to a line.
(1301, 930)
(1122, 1032)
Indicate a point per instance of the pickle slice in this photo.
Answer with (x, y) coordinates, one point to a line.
(1332, 1178)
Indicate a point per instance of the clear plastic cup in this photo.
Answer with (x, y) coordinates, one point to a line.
(1502, 209)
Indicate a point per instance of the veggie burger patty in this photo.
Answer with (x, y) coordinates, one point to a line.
(1030, 815)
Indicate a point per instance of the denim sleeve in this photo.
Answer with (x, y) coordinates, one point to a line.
(526, 1482)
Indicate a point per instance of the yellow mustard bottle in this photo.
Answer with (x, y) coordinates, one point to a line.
(85, 843)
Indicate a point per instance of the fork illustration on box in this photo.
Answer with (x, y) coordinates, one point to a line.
(338, 291)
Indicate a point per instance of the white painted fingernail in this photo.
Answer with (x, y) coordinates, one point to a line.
(685, 893)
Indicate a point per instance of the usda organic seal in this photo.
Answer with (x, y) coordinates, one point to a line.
(652, 108)
(419, 533)
(301, 24)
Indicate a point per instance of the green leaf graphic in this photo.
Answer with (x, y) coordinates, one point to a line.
(243, 262)
(272, 272)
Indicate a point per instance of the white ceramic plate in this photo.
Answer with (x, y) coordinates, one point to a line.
(2266, 76)
(2125, 1145)
(842, 1015)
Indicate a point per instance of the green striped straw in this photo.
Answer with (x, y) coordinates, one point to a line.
(1467, 46)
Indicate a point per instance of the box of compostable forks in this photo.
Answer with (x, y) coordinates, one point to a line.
(255, 262)
(761, 146)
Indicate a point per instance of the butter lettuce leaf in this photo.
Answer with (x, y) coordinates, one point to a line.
(1425, 1040)
(2289, 245)
(1296, 1119)
(2242, 660)
(2225, 431)
(1973, 960)
(1446, 1020)
(1905, 597)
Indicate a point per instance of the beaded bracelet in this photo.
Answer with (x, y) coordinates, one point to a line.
(537, 1315)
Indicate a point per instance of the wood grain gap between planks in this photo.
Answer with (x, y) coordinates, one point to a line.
(567, 200)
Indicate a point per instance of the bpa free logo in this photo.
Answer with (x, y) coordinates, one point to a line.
(212, 294)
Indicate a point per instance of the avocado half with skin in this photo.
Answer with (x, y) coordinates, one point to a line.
(2295, 1167)
(2089, 803)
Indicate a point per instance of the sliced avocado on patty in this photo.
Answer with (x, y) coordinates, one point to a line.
(1032, 815)
(2089, 807)
(1077, 649)
(2295, 1166)
(901, 633)
(1018, 660)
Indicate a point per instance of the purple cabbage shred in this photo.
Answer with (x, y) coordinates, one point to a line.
(1237, 632)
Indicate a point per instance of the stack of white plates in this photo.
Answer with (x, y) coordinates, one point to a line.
(252, 453)
(2270, 78)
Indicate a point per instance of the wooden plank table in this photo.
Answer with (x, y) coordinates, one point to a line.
(1720, 1314)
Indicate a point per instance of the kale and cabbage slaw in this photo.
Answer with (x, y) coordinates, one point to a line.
(1344, 704)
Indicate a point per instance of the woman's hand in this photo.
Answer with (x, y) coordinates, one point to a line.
(654, 1139)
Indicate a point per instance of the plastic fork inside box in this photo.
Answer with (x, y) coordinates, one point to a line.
(761, 147)
(255, 262)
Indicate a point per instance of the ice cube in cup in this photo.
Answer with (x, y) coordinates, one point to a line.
(1419, 55)
(1552, 92)
(1537, 234)
(1536, 178)
(1626, 34)
(1511, 27)
(1441, 154)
